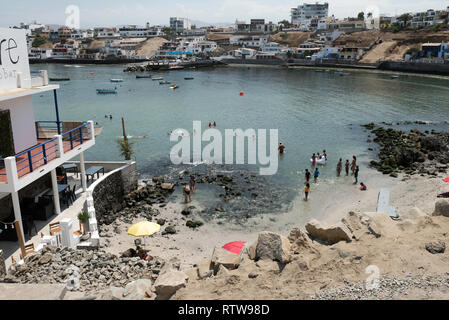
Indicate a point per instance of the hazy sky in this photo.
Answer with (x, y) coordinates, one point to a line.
(118, 12)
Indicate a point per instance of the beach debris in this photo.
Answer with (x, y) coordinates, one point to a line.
(436, 247)
(328, 234)
(273, 246)
(441, 208)
(168, 283)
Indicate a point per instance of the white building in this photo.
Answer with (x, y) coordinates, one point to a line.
(252, 41)
(303, 14)
(180, 24)
(133, 31)
(106, 33)
(29, 153)
(272, 47)
(39, 53)
(243, 53)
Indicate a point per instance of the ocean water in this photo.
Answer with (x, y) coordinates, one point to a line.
(312, 111)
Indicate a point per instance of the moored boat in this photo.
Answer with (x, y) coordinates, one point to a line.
(106, 91)
(116, 80)
(143, 77)
(188, 78)
(164, 82)
(174, 86)
(157, 78)
(59, 79)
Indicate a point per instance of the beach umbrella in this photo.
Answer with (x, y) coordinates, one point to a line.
(446, 179)
(143, 229)
(235, 246)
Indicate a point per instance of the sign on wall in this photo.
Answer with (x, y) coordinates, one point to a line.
(13, 57)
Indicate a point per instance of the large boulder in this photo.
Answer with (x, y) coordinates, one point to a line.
(441, 208)
(136, 290)
(431, 143)
(273, 246)
(359, 225)
(225, 258)
(167, 186)
(329, 234)
(168, 283)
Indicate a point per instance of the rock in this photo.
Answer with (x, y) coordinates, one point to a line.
(431, 143)
(205, 269)
(169, 230)
(273, 246)
(253, 275)
(168, 283)
(441, 208)
(268, 265)
(252, 251)
(193, 224)
(222, 272)
(192, 273)
(136, 290)
(46, 258)
(167, 186)
(298, 240)
(160, 222)
(329, 234)
(436, 247)
(225, 258)
(113, 293)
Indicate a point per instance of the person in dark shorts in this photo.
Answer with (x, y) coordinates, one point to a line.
(281, 148)
(347, 167)
(186, 191)
(339, 167)
(356, 174)
(192, 183)
(307, 175)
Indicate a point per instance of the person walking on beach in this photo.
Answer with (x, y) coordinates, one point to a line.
(353, 164)
(281, 148)
(313, 159)
(307, 175)
(347, 167)
(356, 174)
(192, 183)
(316, 174)
(306, 191)
(339, 167)
(186, 191)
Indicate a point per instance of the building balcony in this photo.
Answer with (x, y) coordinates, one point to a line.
(52, 150)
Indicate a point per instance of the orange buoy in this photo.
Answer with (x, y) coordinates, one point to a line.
(241, 93)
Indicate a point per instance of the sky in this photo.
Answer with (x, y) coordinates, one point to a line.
(96, 13)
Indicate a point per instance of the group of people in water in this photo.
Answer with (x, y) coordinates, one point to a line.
(321, 158)
(212, 124)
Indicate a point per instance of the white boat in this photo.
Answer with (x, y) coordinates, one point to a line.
(319, 161)
(157, 78)
(116, 80)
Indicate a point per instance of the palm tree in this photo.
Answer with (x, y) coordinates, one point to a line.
(126, 149)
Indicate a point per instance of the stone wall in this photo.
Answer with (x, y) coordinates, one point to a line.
(416, 67)
(109, 191)
(2, 264)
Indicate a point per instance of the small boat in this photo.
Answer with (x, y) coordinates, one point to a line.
(143, 77)
(164, 82)
(106, 91)
(59, 79)
(116, 80)
(174, 86)
(188, 78)
(319, 161)
(157, 78)
(394, 77)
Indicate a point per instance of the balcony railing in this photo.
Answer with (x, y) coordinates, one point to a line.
(31, 159)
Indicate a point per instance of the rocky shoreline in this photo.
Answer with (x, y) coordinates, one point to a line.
(411, 152)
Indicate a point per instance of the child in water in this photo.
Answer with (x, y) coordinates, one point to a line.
(347, 167)
(306, 191)
(281, 148)
(316, 174)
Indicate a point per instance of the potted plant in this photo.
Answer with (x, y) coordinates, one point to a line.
(83, 217)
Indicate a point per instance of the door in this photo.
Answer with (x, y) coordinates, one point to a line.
(6, 136)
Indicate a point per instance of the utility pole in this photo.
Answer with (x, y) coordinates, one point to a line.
(125, 138)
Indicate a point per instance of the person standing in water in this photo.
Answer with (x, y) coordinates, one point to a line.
(325, 154)
(186, 191)
(339, 167)
(313, 159)
(316, 174)
(347, 167)
(214, 124)
(281, 148)
(192, 183)
(353, 164)
(307, 175)
(356, 174)
(306, 191)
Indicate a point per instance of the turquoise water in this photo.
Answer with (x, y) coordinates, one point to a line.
(312, 110)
